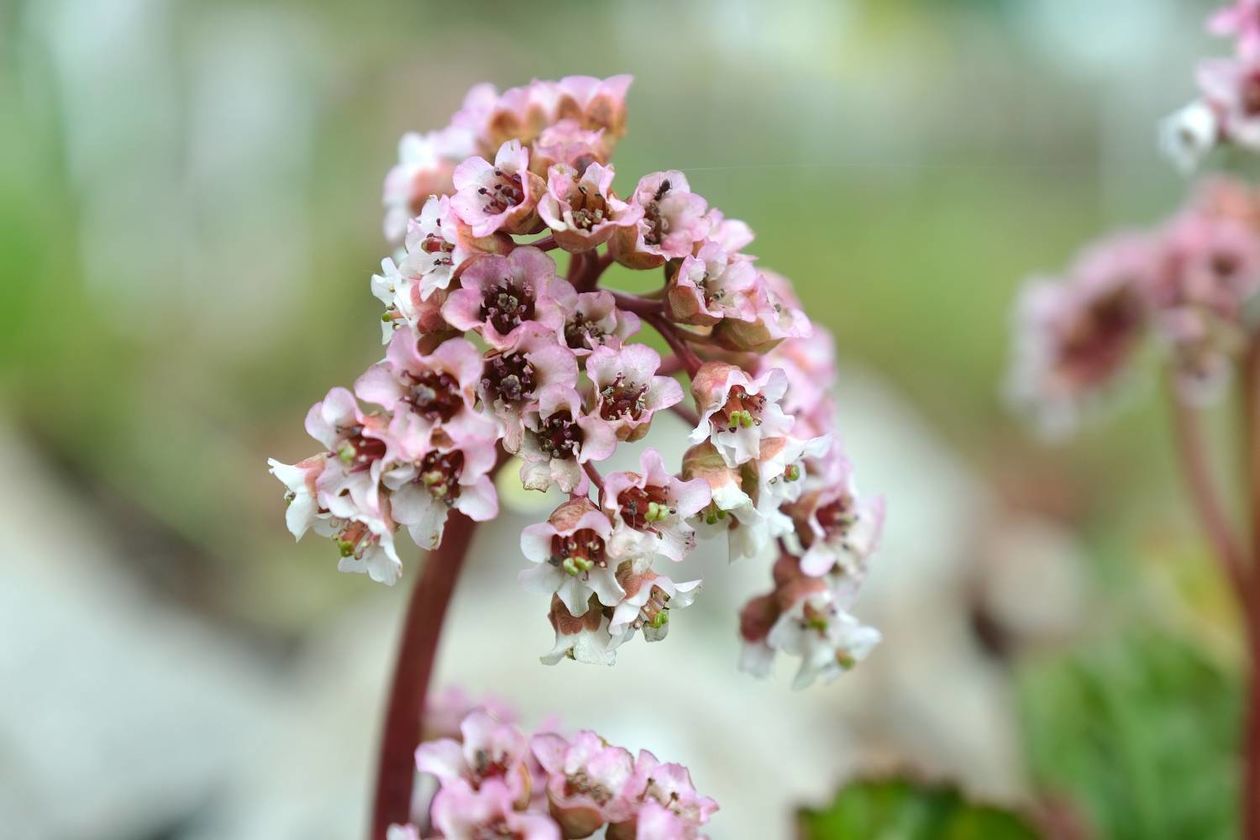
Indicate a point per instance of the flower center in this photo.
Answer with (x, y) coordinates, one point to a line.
(358, 452)
(439, 473)
(501, 192)
(741, 409)
(354, 539)
(435, 395)
(506, 305)
(657, 224)
(440, 249)
(837, 517)
(1094, 344)
(642, 507)
(579, 552)
(622, 399)
(589, 209)
(580, 332)
(509, 377)
(560, 437)
(581, 784)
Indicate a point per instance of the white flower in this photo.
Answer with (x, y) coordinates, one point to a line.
(1187, 135)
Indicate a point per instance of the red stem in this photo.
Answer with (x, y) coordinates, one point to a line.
(1250, 793)
(672, 335)
(417, 651)
(639, 305)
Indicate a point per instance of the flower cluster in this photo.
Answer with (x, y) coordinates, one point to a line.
(496, 781)
(1189, 283)
(1228, 107)
(502, 343)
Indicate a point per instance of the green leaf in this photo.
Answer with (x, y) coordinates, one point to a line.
(899, 809)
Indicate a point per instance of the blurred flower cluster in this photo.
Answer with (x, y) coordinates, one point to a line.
(493, 352)
(1188, 283)
(1228, 107)
(494, 780)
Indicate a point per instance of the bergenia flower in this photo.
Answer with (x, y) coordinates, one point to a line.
(586, 780)
(465, 813)
(492, 357)
(595, 321)
(505, 298)
(672, 221)
(1187, 135)
(499, 196)
(560, 436)
(738, 411)
(626, 390)
(651, 509)
(1231, 87)
(488, 749)
(581, 210)
(1239, 20)
(572, 558)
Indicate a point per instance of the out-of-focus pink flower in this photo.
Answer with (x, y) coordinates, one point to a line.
(581, 210)
(1239, 20)
(673, 220)
(464, 813)
(1231, 87)
(568, 144)
(499, 196)
(425, 165)
(488, 749)
(626, 389)
(503, 298)
(837, 526)
(586, 780)
(669, 786)
(775, 316)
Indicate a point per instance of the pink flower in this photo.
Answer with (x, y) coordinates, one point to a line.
(586, 779)
(581, 210)
(673, 221)
(710, 286)
(567, 143)
(669, 786)
(731, 510)
(1074, 338)
(837, 526)
(1232, 87)
(571, 557)
(438, 243)
(810, 366)
(595, 321)
(489, 749)
(731, 235)
(428, 391)
(447, 477)
(462, 813)
(597, 104)
(560, 438)
(448, 706)
(776, 315)
(299, 480)
(499, 196)
(424, 168)
(512, 379)
(647, 602)
(503, 298)
(650, 509)
(738, 411)
(1240, 20)
(627, 391)
(582, 638)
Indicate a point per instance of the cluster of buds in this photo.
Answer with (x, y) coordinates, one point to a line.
(1190, 283)
(1227, 110)
(494, 780)
(497, 350)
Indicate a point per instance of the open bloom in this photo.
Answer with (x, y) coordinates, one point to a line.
(738, 411)
(488, 749)
(594, 321)
(651, 508)
(672, 221)
(504, 298)
(627, 391)
(499, 196)
(572, 557)
(581, 210)
(559, 438)
(512, 379)
(647, 602)
(837, 526)
(712, 285)
(454, 477)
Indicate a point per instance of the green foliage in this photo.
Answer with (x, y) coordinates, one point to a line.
(1139, 732)
(898, 808)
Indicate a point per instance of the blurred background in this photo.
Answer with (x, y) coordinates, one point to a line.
(189, 216)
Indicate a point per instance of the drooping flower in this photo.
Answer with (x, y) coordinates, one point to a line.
(647, 602)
